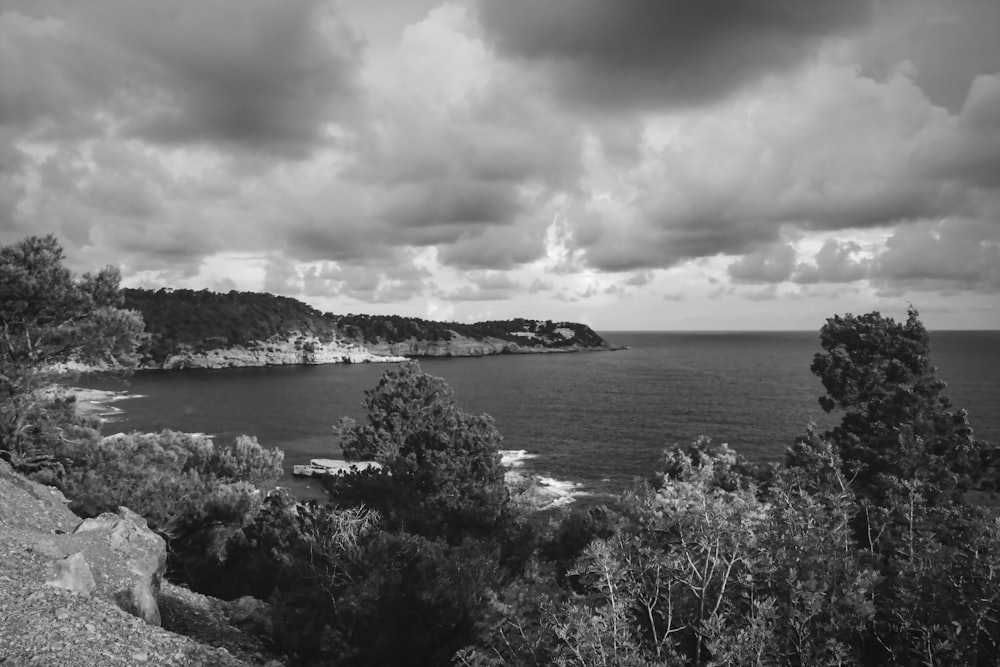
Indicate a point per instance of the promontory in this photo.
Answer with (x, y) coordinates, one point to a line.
(204, 329)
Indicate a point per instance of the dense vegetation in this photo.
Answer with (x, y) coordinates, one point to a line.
(204, 320)
(208, 320)
(861, 548)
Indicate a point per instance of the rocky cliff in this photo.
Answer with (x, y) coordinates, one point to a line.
(462, 346)
(295, 348)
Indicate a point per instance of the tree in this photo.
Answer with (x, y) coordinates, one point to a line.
(50, 320)
(441, 475)
(897, 424)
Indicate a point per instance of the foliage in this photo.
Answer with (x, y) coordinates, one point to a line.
(697, 574)
(49, 320)
(441, 472)
(730, 471)
(197, 493)
(939, 603)
(897, 424)
(204, 320)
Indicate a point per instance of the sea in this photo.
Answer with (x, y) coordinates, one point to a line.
(589, 424)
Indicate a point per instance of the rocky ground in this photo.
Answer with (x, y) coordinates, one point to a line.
(48, 622)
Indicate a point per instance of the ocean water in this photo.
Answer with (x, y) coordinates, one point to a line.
(590, 422)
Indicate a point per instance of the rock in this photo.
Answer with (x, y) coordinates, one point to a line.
(296, 348)
(129, 559)
(72, 574)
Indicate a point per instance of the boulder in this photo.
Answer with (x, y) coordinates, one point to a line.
(127, 559)
(113, 556)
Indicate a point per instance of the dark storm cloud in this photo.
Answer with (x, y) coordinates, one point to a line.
(256, 74)
(950, 254)
(12, 186)
(834, 151)
(836, 262)
(313, 236)
(967, 148)
(946, 44)
(663, 52)
(472, 180)
(496, 247)
(636, 241)
(457, 202)
(767, 265)
(485, 286)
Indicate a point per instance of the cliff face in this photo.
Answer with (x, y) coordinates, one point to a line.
(460, 346)
(294, 350)
(301, 349)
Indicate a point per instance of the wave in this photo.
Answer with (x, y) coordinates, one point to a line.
(515, 458)
(537, 490)
(563, 492)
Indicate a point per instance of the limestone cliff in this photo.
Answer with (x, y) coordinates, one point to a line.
(294, 349)
(461, 346)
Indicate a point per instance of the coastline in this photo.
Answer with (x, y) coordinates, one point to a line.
(279, 355)
(528, 490)
(91, 402)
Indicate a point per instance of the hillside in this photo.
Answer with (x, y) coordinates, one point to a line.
(208, 329)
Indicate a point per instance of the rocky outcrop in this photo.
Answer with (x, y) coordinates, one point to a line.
(127, 558)
(460, 346)
(65, 583)
(114, 556)
(296, 349)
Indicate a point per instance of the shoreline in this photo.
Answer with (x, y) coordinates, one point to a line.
(224, 358)
(530, 490)
(91, 402)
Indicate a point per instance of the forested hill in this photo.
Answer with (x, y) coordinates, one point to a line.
(178, 319)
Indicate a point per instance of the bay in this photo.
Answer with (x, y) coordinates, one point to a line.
(597, 420)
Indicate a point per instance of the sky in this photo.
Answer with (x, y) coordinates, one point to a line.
(635, 164)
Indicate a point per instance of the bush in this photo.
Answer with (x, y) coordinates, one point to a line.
(194, 492)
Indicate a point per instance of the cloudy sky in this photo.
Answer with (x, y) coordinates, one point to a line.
(633, 164)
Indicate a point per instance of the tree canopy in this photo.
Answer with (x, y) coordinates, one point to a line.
(49, 321)
(897, 423)
(441, 474)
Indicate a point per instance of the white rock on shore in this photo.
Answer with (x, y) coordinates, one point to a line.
(296, 349)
